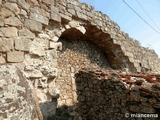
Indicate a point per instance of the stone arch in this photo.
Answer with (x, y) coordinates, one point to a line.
(72, 34)
(78, 52)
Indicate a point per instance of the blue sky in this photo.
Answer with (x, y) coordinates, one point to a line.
(130, 23)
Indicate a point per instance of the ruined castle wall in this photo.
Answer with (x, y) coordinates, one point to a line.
(30, 33)
(28, 19)
(74, 56)
(113, 95)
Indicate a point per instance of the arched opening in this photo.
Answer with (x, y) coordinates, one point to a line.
(78, 52)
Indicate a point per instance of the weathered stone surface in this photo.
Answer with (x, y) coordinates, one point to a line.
(39, 18)
(15, 56)
(94, 97)
(38, 47)
(26, 33)
(44, 36)
(55, 9)
(13, 7)
(156, 105)
(8, 31)
(65, 18)
(33, 25)
(56, 46)
(44, 23)
(5, 13)
(13, 21)
(18, 99)
(81, 15)
(48, 2)
(24, 4)
(2, 60)
(69, 102)
(55, 14)
(22, 44)
(6, 44)
(1, 22)
(35, 74)
(56, 17)
(55, 39)
(40, 11)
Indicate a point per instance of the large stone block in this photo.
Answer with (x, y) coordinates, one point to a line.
(4, 13)
(39, 18)
(81, 15)
(65, 18)
(24, 4)
(13, 21)
(55, 17)
(6, 44)
(22, 44)
(1, 22)
(18, 96)
(26, 33)
(13, 7)
(40, 11)
(33, 25)
(54, 9)
(55, 14)
(15, 56)
(34, 74)
(48, 2)
(8, 31)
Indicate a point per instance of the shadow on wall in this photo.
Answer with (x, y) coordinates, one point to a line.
(101, 98)
(65, 113)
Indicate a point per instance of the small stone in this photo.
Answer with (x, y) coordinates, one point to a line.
(55, 39)
(156, 105)
(56, 46)
(139, 81)
(2, 60)
(69, 102)
(35, 74)
(44, 36)
(147, 109)
(152, 100)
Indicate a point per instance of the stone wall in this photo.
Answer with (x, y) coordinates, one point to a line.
(17, 96)
(23, 21)
(31, 33)
(74, 56)
(116, 95)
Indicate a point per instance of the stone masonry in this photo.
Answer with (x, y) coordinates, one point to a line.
(51, 40)
(116, 95)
